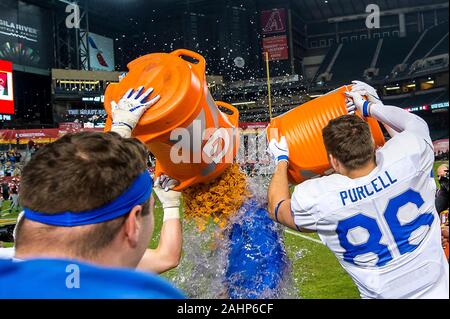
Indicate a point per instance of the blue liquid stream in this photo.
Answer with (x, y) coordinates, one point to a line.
(257, 261)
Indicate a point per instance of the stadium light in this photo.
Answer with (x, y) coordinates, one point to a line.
(243, 103)
(393, 88)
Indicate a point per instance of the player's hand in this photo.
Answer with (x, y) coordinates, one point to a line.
(165, 182)
(126, 113)
(367, 91)
(169, 198)
(279, 150)
(355, 101)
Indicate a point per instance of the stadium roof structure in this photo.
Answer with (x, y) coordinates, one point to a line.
(309, 10)
(321, 10)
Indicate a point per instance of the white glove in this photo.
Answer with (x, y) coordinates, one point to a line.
(366, 90)
(169, 199)
(358, 102)
(127, 113)
(279, 150)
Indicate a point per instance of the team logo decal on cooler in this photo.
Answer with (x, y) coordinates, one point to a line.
(218, 145)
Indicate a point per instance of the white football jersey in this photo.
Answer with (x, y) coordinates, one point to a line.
(383, 227)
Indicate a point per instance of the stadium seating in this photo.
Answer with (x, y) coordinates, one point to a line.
(353, 59)
(432, 37)
(393, 52)
(356, 57)
(406, 101)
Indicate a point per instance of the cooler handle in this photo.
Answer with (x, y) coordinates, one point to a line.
(201, 65)
(233, 118)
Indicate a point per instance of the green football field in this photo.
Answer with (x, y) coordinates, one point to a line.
(316, 272)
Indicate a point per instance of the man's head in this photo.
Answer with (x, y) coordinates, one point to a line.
(349, 143)
(442, 170)
(78, 173)
(443, 177)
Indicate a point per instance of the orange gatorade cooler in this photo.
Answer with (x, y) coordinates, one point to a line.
(302, 128)
(192, 139)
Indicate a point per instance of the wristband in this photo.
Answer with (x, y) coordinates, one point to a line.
(366, 109)
(171, 213)
(277, 208)
(122, 124)
(282, 158)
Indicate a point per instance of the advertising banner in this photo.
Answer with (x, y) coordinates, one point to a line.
(6, 88)
(277, 47)
(25, 34)
(101, 52)
(273, 21)
(38, 135)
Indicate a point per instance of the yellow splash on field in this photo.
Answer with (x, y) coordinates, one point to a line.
(217, 200)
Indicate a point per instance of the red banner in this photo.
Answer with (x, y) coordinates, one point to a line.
(277, 47)
(253, 125)
(6, 88)
(273, 21)
(38, 135)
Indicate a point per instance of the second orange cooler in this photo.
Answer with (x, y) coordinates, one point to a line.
(302, 128)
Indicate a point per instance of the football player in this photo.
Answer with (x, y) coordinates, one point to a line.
(377, 212)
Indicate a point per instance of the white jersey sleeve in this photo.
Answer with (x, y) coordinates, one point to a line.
(307, 200)
(303, 208)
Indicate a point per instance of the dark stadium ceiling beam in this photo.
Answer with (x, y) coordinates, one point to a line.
(405, 3)
(329, 7)
(319, 8)
(338, 8)
(305, 10)
(363, 15)
(353, 6)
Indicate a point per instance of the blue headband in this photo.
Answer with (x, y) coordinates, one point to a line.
(137, 194)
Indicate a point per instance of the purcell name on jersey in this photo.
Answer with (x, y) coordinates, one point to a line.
(376, 185)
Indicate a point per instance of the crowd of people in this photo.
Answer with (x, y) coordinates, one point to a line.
(11, 165)
(10, 162)
(442, 156)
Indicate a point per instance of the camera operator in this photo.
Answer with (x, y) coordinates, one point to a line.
(442, 194)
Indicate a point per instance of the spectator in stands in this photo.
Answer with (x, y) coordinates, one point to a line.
(14, 199)
(8, 169)
(16, 171)
(11, 157)
(5, 191)
(18, 156)
(442, 193)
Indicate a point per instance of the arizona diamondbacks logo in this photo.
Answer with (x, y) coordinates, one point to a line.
(275, 23)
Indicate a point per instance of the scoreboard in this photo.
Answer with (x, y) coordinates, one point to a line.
(6, 88)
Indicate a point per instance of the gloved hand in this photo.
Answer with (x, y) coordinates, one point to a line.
(169, 199)
(366, 90)
(126, 114)
(279, 150)
(356, 101)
